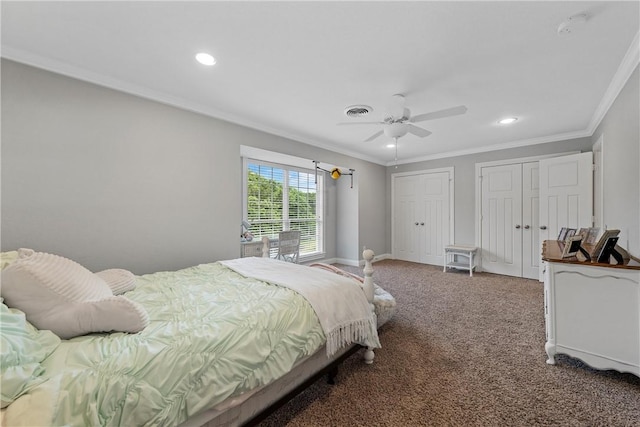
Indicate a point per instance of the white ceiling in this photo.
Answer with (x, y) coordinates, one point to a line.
(291, 68)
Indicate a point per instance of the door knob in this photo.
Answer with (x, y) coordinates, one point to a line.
(518, 226)
(416, 223)
(422, 223)
(526, 227)
(543, 227)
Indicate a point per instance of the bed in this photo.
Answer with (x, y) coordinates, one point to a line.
(222, 343)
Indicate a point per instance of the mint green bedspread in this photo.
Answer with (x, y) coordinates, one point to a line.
(213, 334)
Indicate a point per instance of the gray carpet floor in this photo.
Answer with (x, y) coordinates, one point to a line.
(463, 351)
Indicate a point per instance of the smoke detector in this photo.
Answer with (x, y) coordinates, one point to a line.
(569, 24)
(357, 110)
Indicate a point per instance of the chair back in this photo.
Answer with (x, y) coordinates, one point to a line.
(289, 245)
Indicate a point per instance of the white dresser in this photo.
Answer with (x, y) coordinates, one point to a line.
(592, 311)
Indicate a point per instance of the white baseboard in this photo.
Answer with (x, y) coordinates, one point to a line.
(381, 257)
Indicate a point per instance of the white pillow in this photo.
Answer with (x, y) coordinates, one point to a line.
(119, 280)
(64, 297)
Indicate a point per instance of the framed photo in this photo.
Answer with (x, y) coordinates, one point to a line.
(570, 233)
(584, 232)
(572, 246)
(592, 236)
(563, 234)
(608, 250)
(595, 254)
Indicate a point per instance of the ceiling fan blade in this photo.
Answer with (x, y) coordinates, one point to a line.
(418, 131)
(359, 123)
(454, 111)
(374, 136)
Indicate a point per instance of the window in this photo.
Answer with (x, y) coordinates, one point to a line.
(281, 197)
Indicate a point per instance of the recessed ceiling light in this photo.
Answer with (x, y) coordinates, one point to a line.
(392, 145)
(507, 120)
(205, 59)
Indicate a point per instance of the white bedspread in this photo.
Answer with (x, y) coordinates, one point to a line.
(342, 308)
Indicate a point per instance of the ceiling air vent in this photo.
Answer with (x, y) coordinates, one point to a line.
(357, 110)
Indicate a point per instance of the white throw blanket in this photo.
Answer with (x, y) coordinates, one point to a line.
(339, 302)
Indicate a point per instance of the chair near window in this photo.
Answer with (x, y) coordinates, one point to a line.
(289, 245)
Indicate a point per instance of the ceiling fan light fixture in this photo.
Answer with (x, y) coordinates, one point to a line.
(396, 130)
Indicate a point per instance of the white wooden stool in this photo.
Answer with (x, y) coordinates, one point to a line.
(452, 254)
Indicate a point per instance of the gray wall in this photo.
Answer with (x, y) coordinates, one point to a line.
(347, 228)
(620, 130)
(114, 180)
(372, 235)
(465, 180)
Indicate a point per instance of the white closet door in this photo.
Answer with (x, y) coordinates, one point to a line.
(501, 219)
(435, 223)
(406, 238)
(566, 194)
(421, 216)
(531, 245)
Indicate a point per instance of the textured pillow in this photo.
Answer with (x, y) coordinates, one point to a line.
(119, 280)
(22, 348)
(62, 296)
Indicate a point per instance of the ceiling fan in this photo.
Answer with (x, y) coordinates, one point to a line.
(400, 122)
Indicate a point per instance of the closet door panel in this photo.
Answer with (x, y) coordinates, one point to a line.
(531, 245)
(501, 219)
(435, 193)
(566, 193)
(406, 232)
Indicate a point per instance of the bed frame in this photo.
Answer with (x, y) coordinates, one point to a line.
(251, 408)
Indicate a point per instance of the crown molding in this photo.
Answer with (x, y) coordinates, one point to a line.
(514, 144)
(626, 68)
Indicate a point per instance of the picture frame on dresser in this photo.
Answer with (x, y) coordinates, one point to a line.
(584, 232)
(609, 250)
(592, 235)
(597, 248)
(562, 234)
(572, 246)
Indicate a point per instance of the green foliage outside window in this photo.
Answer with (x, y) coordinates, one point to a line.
(265, 210)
